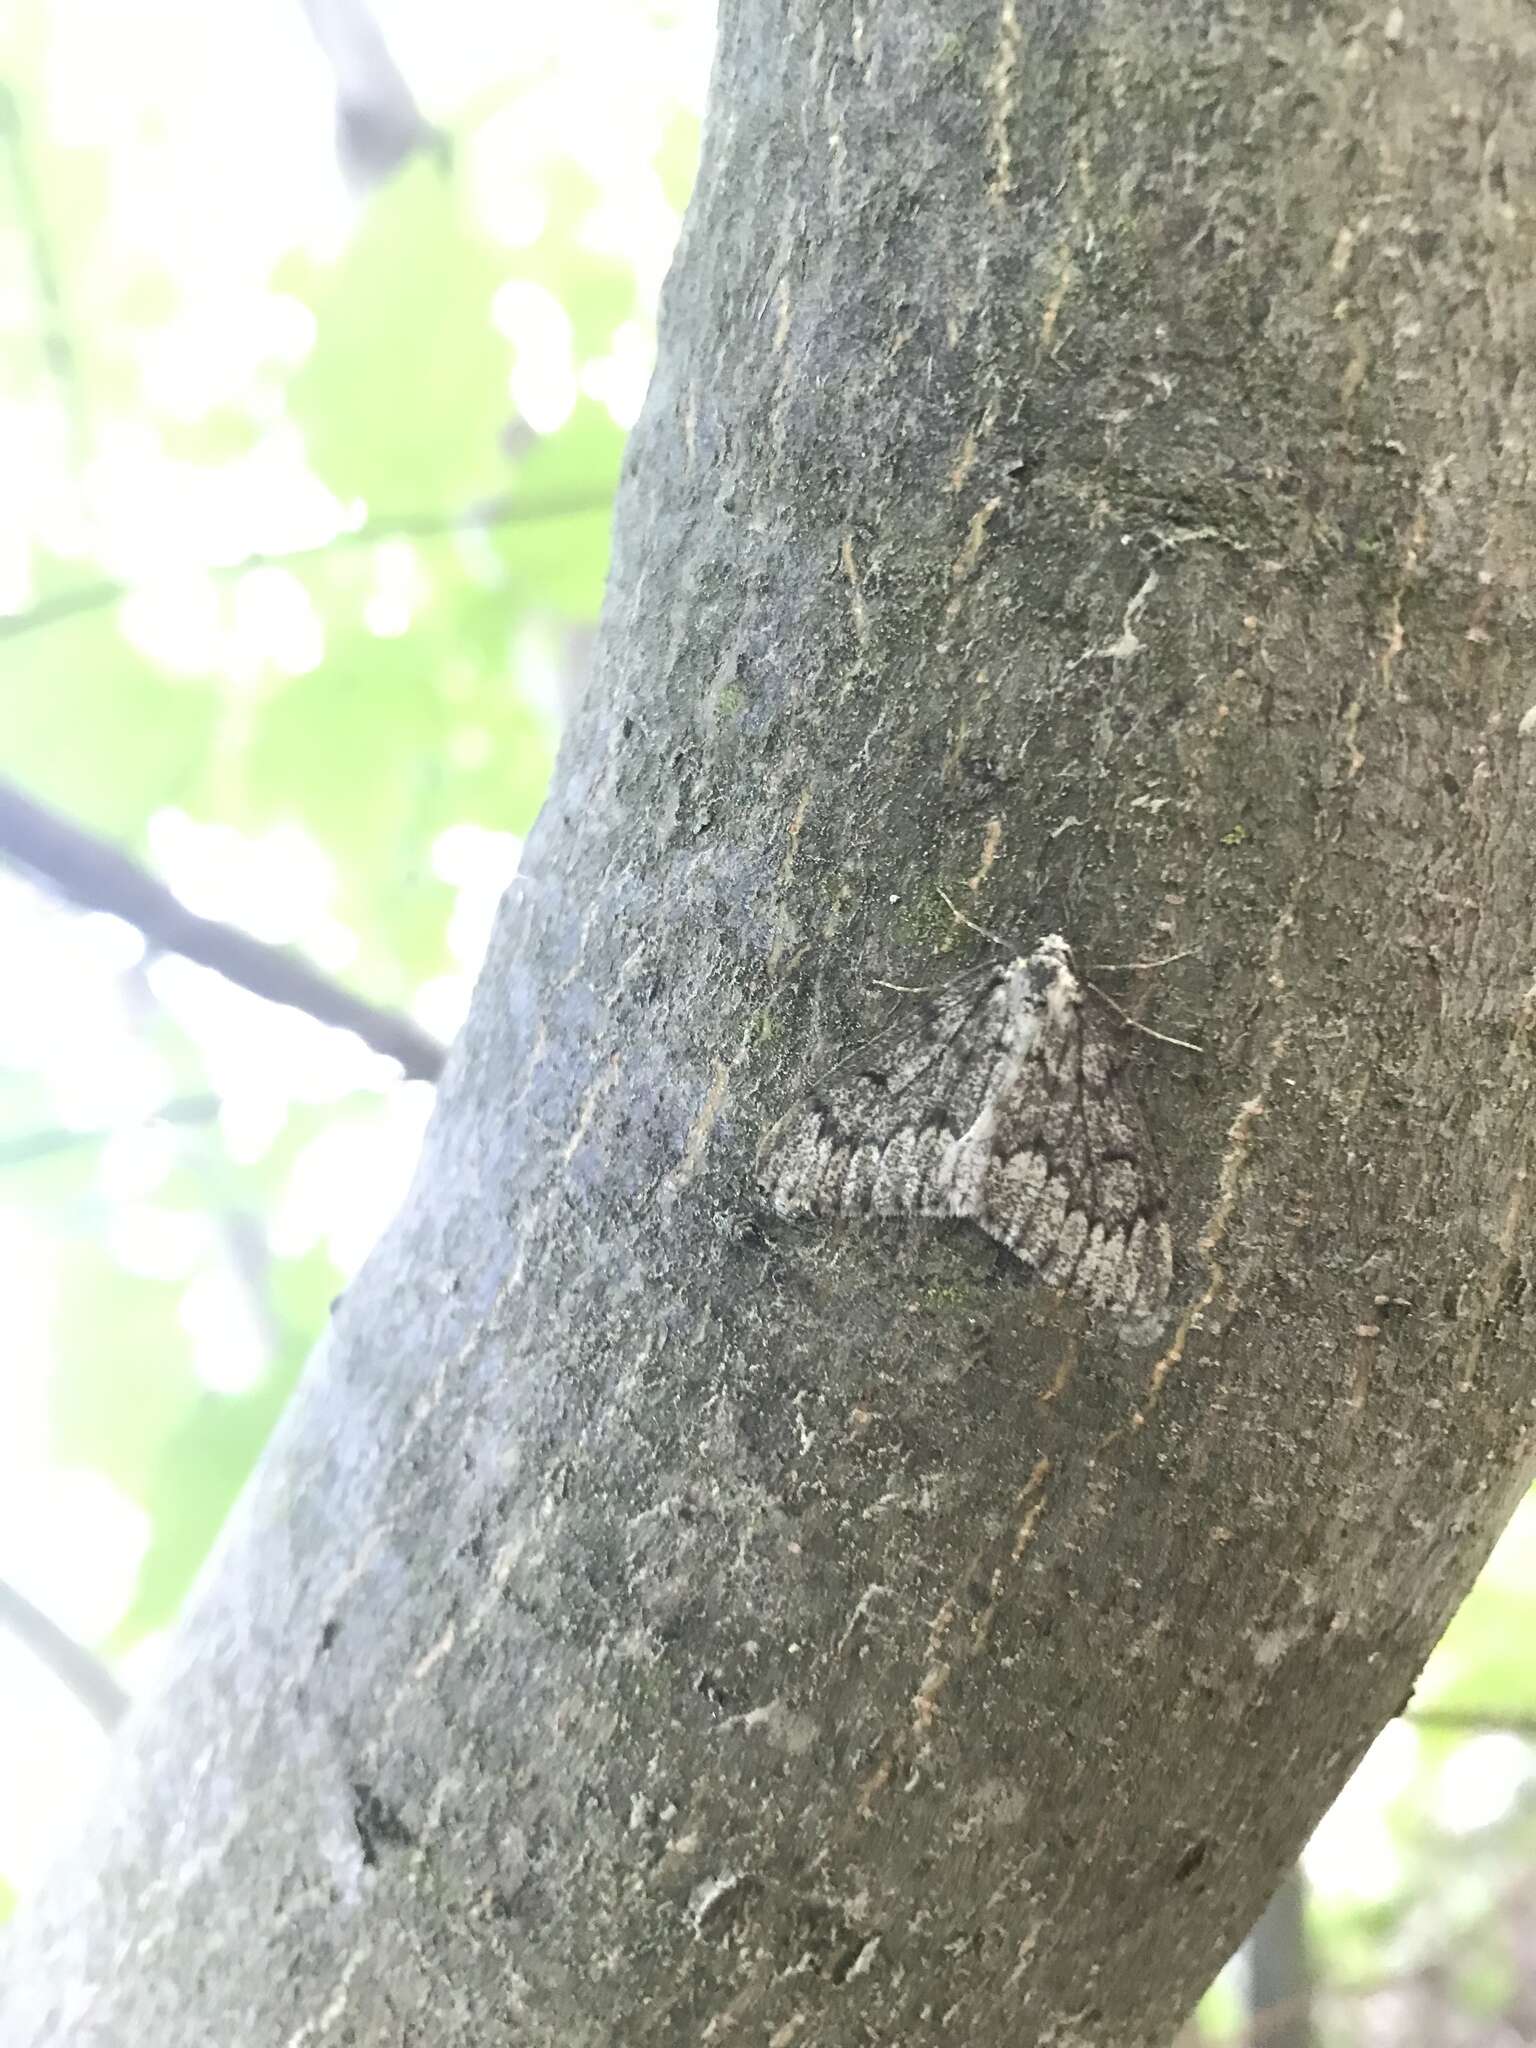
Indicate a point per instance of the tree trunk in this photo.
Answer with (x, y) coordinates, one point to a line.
(1088, 469)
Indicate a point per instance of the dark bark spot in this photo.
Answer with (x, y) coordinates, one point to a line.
(708, 1687)
(826, 1942)
(378, 1825)
(1190, 1861)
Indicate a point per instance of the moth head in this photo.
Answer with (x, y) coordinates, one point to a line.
(1049, 978)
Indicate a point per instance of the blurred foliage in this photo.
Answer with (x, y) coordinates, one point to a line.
(306, 531)
(1422, 1880)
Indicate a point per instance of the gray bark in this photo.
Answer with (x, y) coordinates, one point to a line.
(1089, 460)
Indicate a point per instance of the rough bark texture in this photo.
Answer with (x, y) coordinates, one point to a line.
(1088, 468)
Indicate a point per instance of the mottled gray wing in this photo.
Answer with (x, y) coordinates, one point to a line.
(1072, 1184)
(875, 1141)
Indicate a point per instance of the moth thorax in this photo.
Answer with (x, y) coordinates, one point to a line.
(1043, 986)
(1063, 994)
(1030, 1001)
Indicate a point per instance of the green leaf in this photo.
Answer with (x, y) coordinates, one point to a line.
(302, 1292)
(203, 1465)
(41, 1160)
(561, 566)
(596, 290)
(91, 726)
(367, 753)
(224, 434)
(582, 460)
(403, 398)
(1482, 1664)
(122, 1382)
(677, 158)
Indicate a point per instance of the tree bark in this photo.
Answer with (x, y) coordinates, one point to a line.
(1088, 469)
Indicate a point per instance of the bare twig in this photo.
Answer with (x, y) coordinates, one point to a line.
(75, 864)
(508, 509)
(249, 1258)
(1280, 1978)
(71, 1664)
(29, 1146)
(1470, 1721)
(1423, 1975)
(59, 352)
(378, 123)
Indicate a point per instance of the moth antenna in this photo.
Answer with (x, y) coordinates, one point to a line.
(960, 917)
(1140, 966)
(1135, 1024)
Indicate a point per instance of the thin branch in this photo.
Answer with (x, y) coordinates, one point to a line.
(378, 123)
(59, 352)
(75, 864)
(1422, 1974)
(508, 509)
(1280, 1977)
(249, 1258)
(1471, 1721)
(71, 1664)
(29, 1146)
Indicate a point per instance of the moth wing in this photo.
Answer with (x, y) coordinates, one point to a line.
(1072, 1185)
(882, 1140)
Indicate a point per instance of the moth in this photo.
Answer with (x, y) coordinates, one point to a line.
(1003, 1102)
